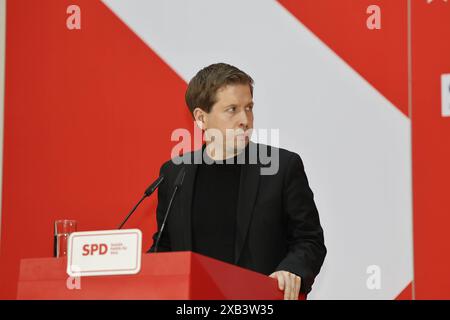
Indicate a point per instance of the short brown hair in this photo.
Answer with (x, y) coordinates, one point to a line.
(202, 88)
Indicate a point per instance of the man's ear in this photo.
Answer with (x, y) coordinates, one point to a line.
(199, 116)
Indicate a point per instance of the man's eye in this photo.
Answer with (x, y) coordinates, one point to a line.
(232, 109)
(250, 108)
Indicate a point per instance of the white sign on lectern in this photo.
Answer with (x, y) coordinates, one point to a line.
(109, 252)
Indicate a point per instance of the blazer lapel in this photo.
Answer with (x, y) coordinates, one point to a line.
(186, 195)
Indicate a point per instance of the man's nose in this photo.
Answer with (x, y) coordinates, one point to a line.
(243, 120)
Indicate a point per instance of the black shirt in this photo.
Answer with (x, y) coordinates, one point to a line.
(214, 207)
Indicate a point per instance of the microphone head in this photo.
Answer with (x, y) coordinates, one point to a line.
(180, 178)
(154, 186)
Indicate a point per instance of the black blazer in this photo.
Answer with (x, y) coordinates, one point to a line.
(278, 226)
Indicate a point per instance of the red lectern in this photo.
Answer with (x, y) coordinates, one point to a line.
(163, 276)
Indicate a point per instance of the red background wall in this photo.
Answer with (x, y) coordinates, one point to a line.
(431, 150)
(63, 156)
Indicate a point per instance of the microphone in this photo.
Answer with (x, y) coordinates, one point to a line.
(178, 183)
(147, 193)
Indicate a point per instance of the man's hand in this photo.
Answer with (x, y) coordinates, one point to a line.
(288, 282)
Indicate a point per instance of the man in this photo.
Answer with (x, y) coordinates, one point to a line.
(232, 212)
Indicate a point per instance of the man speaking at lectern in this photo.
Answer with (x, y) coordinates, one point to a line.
(227, 207)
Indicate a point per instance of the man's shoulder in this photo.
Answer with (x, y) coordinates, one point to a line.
(276, 161)
(185, 158)
(174, 164)
(269, 154)
(272, 150)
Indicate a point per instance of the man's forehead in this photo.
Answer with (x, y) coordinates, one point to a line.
(233, 87)
(233, 96)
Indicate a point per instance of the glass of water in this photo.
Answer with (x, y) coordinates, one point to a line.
(63, 229)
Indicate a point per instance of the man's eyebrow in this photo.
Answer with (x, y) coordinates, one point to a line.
(234, 105)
